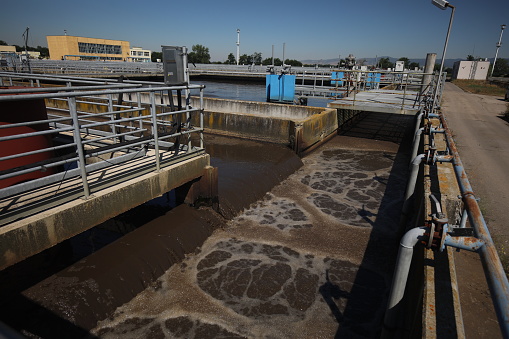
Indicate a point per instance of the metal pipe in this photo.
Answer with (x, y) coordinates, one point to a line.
(498, 46)
(416, 142)
(75, 94)
(65, 89)
(399, 280)
(493, 269)
(414, 172)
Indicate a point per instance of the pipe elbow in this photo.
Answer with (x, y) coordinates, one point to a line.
(418, 159)
(411, 237)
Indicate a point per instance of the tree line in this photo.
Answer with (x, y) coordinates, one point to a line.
(200, 55)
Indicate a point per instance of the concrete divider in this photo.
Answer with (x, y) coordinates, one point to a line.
(299, 127)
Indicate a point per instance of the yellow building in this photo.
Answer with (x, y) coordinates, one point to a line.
(67, 47)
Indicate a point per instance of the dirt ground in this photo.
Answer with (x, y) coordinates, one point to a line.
(482, 138)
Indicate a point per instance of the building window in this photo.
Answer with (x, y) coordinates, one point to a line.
(85, 47)
(147, 54)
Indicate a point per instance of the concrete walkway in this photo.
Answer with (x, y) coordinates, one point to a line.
(482, 138)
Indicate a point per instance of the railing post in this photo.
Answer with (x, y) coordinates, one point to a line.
(79, 146)
(140, 112)
(404, 90)
(155, 133)
(201, 118)
(112, 118)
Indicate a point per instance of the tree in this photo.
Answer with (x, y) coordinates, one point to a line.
(244, 59)
(257, 57)
(501, 68)
(470, 57)
(385, 63)
(200, 55)
(3, 43)
(231, 59)
(413, 65)
(293, 62)
(406, 60)
(156, 55)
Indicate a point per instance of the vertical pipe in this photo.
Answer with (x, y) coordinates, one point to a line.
(187, 96)
(154, 129)
(399, 280)
(201, 118)
(71, 101)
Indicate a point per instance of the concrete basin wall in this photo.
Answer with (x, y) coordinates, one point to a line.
(299, 127)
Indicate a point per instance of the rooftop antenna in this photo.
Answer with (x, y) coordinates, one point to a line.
(238, 45)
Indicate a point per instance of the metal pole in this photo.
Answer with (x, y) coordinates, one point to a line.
(498, 46)
(272, 55)
(201, 118)
(155, 134)
(284, 49)
(443, 56)
(79, 146)
(238, 45)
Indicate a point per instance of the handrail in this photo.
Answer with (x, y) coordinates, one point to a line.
(133, 130)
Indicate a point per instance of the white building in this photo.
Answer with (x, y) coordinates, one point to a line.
(472, 70)
(139, 55)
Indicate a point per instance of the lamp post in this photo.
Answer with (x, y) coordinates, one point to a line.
(442, 4)
(499, 43)
(238, 45)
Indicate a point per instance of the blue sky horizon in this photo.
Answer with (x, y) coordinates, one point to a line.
(318, 30)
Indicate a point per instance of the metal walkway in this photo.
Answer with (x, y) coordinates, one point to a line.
(71, 142)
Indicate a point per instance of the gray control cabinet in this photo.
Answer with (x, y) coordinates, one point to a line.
(173, 65)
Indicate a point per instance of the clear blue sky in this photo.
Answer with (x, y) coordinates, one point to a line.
(320, 29)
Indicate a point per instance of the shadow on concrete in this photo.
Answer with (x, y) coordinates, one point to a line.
(366, 302)
(504, 116)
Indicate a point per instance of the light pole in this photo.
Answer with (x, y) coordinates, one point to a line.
(238, 45)
(499, 43)
(442, 4)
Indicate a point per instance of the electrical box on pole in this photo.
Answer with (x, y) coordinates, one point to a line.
(174, 65)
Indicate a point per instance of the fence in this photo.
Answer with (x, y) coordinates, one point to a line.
(89, 127)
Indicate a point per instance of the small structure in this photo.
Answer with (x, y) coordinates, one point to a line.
(472, 70)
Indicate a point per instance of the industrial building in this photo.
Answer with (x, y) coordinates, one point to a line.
(472, 70)
(139, 54)
(67, 47)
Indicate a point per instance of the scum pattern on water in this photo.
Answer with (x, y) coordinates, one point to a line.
(296, 264)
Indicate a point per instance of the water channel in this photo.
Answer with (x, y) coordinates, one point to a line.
(302, 248)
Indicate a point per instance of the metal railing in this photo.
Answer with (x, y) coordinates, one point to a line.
(438, 232)
(90, 128)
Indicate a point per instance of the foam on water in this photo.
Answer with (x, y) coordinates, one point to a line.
(293, 265)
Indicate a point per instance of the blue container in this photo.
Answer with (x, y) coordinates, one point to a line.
(280, 88)
(339, 76)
